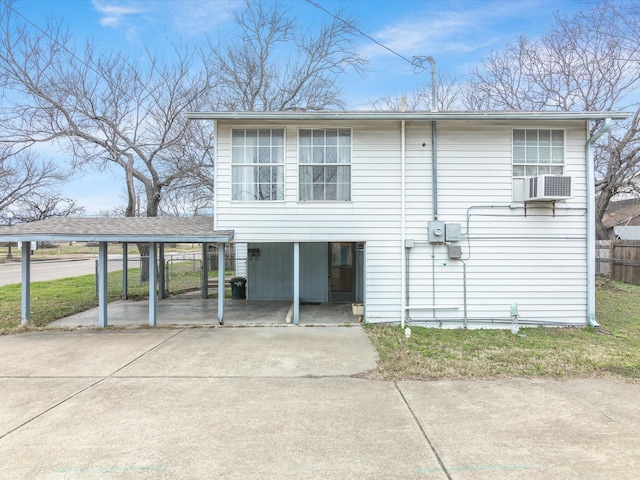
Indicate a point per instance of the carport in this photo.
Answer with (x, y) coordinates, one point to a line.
(156, 231)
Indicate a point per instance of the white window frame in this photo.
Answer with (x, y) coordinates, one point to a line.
(257, 164)
(324, 164)
(538, 151)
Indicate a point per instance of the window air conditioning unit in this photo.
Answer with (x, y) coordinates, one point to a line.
(547, 188)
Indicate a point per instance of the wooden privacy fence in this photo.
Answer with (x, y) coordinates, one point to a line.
(619, 260)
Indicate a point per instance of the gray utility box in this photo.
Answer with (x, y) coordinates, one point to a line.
(455, 251)
(436, 231)
(452, 232)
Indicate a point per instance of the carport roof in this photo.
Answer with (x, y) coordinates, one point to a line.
(123, 229)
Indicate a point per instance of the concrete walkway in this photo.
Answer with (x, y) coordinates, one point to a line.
(192, 310)
(293, 403)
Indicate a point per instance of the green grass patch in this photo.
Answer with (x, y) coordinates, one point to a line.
(64, 249)
(613, 350)
(52, 300)
(49, 301)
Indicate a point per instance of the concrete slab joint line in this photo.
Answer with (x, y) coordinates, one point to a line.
(284, 403)
(88, 387)
(424, 433)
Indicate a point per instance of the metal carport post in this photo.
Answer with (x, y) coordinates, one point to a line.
(26, 284)
(221, 253)
(102, 285)
(153, 230)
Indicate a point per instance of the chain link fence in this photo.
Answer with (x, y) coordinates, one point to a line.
(182, 273)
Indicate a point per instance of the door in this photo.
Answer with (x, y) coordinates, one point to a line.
(341, 272)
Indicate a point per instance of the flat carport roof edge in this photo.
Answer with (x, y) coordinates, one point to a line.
(216, 237)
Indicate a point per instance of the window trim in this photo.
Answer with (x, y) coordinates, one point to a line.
(283, 163)
(300, 164)
(539, 164)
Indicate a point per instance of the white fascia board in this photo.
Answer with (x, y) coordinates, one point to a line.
(44, 237)
(416, 116)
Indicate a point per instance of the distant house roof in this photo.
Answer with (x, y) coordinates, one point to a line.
(412, 115)
(621, 212)
(124, 229)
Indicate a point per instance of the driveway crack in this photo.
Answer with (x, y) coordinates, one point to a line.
(424, 433)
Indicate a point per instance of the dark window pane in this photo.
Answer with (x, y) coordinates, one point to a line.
(518, 137)
(331, 192)
(318, 174)
(331, 174)
(304, 137)
(305, 174)
(277, 175)
(264, 175)
(344, 174)
(332, 137)
(318, 154)
(331, 155)
(305, 155)
(277, 192)
(265, 191)
(264, 155)
(306, 191)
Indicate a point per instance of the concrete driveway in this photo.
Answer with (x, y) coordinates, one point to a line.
(289, 402)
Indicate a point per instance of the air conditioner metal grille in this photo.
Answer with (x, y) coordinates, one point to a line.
(548, 188)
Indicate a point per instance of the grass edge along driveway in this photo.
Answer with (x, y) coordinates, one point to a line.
(611, 351)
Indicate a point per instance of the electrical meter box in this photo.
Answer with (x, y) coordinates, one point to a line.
(436, 231)
(452, 232)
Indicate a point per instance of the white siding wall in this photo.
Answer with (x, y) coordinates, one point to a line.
(537, 261)
(373, 215)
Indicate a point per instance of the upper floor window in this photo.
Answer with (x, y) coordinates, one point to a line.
(538, 152)
(325, 164)
(257, 157)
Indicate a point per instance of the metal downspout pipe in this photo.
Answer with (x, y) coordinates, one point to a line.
(434, 171)
(403, 235)
(591, 224)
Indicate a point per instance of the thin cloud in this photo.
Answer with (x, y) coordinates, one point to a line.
(114, 14)
(454, 28)
(188, 18)
(197, 17)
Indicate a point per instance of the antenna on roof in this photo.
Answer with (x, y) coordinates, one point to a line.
(418, 66)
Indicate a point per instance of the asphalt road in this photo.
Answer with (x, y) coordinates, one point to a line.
(46, 270)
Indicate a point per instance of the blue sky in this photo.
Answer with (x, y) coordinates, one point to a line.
(458, 34)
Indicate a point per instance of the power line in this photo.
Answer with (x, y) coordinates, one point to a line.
(417, 61)
(73, 55)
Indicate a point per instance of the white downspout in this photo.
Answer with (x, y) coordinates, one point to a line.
(591, 224)
(403, 271)
(215, 175)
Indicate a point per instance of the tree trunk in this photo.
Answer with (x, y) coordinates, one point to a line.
(143, 248)
(602, 201)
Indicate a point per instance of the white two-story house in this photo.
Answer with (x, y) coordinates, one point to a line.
(452, 219)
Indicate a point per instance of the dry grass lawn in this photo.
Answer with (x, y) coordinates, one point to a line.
(613, 350)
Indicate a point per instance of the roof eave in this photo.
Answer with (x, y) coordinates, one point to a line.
(218, 237)
(419, 116)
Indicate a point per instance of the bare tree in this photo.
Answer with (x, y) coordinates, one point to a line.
(45, 205)
(23, 177)
(589, 61)
(257, 71)
(448, 97)
(107, 109)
